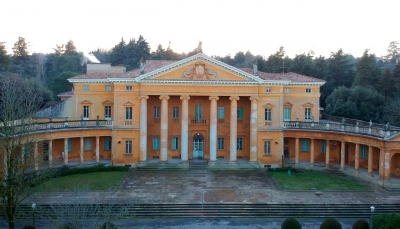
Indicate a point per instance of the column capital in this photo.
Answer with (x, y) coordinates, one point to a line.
(185, 97)
(164, 97)
(213, 97)
(254, 98)
(143, 97)
(234, 97)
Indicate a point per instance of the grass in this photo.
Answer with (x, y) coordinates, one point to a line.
(99, 181)
(307, 181)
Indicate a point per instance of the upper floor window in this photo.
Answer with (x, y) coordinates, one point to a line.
(286, 115)
(268, 114)
(240, 112)
(107, 112)
(129, 88)
(307, 115)
(308, 90)
(268, 90)
(86, 111)
(108, 88)
(175, 112)
(221, 112)
(156, 112)
(86, 87)
(128, 113)
(287, 90)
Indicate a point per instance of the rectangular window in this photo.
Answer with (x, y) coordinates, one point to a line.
(129, 88)
(304, 145)
(69, 143)
(240, 144)
(220, 143)
(307, 114)
(286, 117)
(268, 115)
(156, 112)
(175, 144)
(86, 111)
(287, 90)
(107, 112)
(363, 152)
(108, 88)
(323, 146)
(198, 112)
(86, 87)
(128, 113)
(107, 143)
(175, 112)
(308, 90)
(268, 90)
(156, 143)
(221, 112)
(128, 147)
(240, 112)
(267, 148)
(88, 144)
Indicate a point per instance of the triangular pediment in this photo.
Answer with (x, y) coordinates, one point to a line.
(200, 68)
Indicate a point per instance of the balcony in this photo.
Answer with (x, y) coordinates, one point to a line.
(199, 121)
(339, 124)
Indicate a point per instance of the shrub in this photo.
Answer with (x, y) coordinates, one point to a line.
(291, 223)
(386, 221)
(28, 227)
(67, 172)
(108, 225)
(330, 224)
(361, 224)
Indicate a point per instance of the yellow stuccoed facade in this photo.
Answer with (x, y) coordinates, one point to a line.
(202, 108)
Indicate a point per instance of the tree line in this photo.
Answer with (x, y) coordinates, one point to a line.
(366, 88)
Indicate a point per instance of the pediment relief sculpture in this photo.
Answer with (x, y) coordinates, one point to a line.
(199, 72)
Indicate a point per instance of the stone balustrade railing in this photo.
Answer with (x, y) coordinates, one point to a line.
(382, 131)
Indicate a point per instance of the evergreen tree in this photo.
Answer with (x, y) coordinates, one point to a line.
(70, 48)
(21, 62)
(386, 84)
(396, 78)
(341, 69)
(302, 64)
(368, 71)
(4, 58)
(117, 54)
(100, 54)
(61, 84)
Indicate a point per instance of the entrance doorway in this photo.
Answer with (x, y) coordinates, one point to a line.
(286, 152)
(198, 146)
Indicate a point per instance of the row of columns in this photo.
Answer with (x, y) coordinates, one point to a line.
(185, 128)
(342, 156)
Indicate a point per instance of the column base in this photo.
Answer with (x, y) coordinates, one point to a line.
(253, 162)
(142, 163)
(232, 162)
(212, 162)
(163, 162)
(341, 168)
(357, 171)
(185, 162)
(312, 165)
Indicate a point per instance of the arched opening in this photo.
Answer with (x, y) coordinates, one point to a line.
(395, 165)
(198, 146)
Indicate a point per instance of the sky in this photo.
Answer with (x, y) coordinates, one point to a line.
(223, 27)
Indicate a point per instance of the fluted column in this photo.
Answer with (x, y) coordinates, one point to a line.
(369, 160)
(82, 153)
(35, 155)
(233, 130)
(185, 128)
(342, 158)
(213, 129)
(143, 128)
(97, 149)
(357, 158)
(253, 129)
(296, 151)
(65, 151)
(164, 128)
(327, 159)
(312, 152)
(50, 153)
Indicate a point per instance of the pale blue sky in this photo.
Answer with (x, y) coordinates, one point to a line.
(224, 27)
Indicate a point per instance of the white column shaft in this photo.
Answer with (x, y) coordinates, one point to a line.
(164, 128)
(143, 129)
(82, 153)
(253, 129)
(233, 130)
(213, 128)
(36, 152)
(65, 151)
(185, 128)
(50, 153)
(357, 158)
(97, 149)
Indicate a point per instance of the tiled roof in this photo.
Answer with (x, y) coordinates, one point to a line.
(67, 93)
(283, 76)
(151, 65)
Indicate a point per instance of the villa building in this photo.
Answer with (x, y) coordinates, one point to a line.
(200, 107)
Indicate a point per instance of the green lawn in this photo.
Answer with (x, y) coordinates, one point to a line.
(307, 181)
(99, 181)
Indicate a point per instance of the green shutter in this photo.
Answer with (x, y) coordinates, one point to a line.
(69, 145)
(323, 147)
(304, 145)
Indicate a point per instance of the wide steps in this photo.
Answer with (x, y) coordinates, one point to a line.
(210, 210)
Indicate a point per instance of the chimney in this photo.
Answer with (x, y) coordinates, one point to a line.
(142, 66)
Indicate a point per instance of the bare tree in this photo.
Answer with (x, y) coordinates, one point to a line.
(19, 99)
